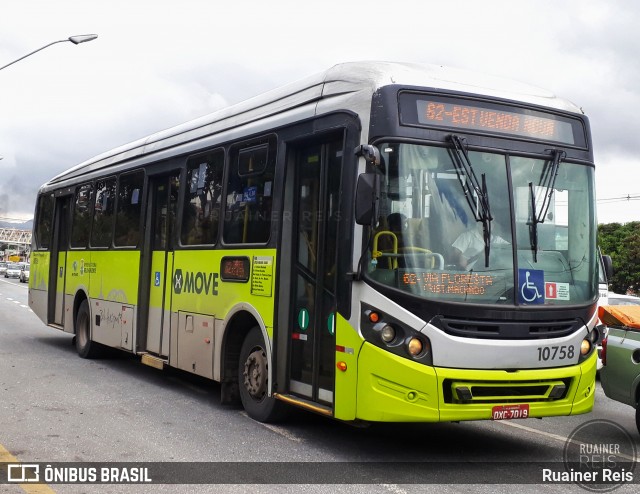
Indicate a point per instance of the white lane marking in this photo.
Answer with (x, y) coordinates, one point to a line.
(278, 430)
(535, 431)
(394, 488)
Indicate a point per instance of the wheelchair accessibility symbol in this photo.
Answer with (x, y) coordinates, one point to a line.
(531, 282)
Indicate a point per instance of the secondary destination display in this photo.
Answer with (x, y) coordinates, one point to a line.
(474, 284)
(235, 269)
(452, 283)
(483, 116)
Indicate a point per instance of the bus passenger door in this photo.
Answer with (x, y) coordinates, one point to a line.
(162, 207)
(57, 274)
(316, 200)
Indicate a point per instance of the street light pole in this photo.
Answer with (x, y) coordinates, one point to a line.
(76, 40)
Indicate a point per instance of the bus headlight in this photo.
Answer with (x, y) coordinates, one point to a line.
(388, 333)
(395, 336)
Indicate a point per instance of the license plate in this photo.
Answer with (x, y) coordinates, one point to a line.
(506, 412)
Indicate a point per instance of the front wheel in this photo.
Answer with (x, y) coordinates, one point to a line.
(253, 380)
(84, 346)
(638, 417)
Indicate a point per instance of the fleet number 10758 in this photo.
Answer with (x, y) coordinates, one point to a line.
(562, 352)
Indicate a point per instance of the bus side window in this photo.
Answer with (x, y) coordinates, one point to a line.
(81, 223)
(44, 221)
(127, 230)
(249, 194)
(201, 214)
(103, 213)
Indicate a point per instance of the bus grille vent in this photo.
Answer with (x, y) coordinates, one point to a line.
(504, 391)
(521, 330)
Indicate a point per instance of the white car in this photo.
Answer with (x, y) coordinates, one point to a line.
(13, 270)
(24, 273)
(618, 299)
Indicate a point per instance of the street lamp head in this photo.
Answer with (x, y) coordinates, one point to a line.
(82, 38)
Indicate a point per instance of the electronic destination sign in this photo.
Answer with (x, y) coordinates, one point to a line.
(465, 114)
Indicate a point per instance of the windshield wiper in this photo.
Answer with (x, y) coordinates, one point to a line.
(547, 181)
(475, 191)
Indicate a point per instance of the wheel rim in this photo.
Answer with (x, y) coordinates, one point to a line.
(255, 374)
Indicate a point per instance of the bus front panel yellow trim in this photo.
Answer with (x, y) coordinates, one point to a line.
(392, 388)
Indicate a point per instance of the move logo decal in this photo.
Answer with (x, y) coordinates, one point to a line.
(197, 282)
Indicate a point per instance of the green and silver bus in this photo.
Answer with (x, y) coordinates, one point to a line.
(378, 242)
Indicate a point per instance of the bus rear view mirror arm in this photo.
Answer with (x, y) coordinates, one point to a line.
(370, 153)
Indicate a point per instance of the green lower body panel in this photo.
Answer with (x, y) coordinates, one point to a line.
(395, 389)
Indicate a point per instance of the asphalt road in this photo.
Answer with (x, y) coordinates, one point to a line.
(57, 407)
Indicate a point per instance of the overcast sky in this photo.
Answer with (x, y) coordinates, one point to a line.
(159, 63)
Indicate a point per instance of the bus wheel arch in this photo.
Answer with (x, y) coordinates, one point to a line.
(246, 368)
(236, 329)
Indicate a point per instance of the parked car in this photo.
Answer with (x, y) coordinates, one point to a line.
(620, 374)
(612, 298)
(3, 267)
(24, 273)
(13, 270)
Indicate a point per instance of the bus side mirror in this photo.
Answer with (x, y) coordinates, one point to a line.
(608, 267)
(367, 194)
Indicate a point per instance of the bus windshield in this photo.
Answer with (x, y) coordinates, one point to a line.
(483, 227)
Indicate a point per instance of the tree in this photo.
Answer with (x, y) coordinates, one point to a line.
(622, 243)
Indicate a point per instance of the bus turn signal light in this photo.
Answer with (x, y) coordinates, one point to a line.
(341, 366)
(414, 347)
(585, 347)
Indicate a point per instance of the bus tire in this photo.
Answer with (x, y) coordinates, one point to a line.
(253, 380)
(638, 417)
(84, 346)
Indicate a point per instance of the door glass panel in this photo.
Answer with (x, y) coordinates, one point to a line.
(334, 174)
(313, 319)
(303, 332)
(164, 199)
(308, 217)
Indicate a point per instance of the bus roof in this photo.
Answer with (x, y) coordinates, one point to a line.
(354, 81)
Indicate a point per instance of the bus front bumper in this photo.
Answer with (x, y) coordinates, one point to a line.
(395, 389)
